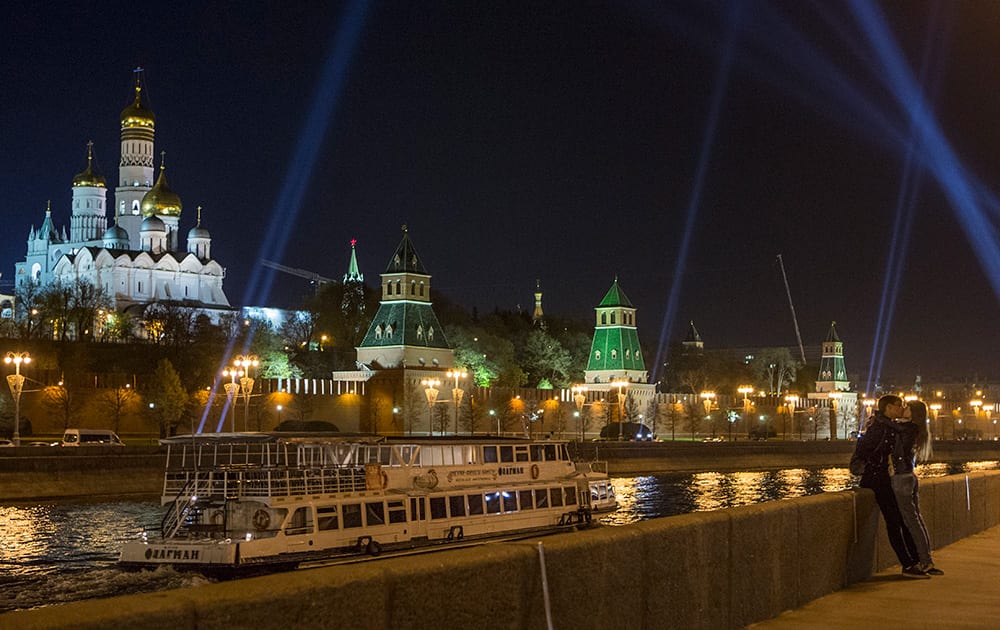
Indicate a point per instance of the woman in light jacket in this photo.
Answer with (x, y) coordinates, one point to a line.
(912, 443)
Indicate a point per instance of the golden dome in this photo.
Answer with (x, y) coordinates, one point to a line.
(88, 177)
(160, 199)
(135, 115)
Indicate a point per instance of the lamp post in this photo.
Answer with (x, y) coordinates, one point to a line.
(492, 414)
(246, 362)
(746, 390)
(457, 392)
(16, 383)
(431, 391)
(621, 385)
(792, 400)
(232, 390)
(976, 405)
(935, 408)
(869, 405)
(279, 408)
(834, 398)
(579, 398)
(707, 398)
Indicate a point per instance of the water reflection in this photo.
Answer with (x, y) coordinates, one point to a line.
(652, 496)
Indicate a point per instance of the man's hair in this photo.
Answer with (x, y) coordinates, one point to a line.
(888, 399)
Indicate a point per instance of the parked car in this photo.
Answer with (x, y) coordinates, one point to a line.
(5, 442)
(91, 437)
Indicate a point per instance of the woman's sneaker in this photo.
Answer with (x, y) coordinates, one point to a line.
(915, 572)
(930, 569)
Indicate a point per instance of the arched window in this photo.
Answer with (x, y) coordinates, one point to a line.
(604, 318)
(612, 318)
(614, 354)
(597, 355)
(413, 287)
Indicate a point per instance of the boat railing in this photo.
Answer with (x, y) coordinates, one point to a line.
(264, 482)
(595, 466)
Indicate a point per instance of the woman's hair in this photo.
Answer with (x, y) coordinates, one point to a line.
(922, 444)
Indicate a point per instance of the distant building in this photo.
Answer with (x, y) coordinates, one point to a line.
(137, 260)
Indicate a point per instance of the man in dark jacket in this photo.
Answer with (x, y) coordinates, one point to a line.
(875, 446)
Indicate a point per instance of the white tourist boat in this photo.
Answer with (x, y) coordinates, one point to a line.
(244, 503)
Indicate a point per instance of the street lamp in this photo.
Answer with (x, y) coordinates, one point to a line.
(621, 385)
(457, 392)
(492, 414)
(976, 405)
(707, 398)
(279, 408)
(431, 391)
(16, 383)
(232, 390)
(746, 390)
(792, 400)
(579, 398)
(246, 362)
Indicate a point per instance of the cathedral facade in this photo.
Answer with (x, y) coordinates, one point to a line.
(135, 258)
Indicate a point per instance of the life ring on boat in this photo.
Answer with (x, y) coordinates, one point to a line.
(261, 520)
(534, 471)
(218, 517)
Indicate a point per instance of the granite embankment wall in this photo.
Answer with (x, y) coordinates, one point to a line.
(38, 473)
(722, 569)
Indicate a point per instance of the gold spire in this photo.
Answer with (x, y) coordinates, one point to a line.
(135, 115)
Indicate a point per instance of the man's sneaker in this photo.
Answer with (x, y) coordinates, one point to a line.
(915, 572)
(930, 569)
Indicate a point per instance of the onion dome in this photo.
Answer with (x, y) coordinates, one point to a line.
(197, 231)
(115, 237)
(136, 115)
(161, 199)
(153, 223)
(88, 177)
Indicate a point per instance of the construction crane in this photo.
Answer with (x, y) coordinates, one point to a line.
(795, 320)
(311, 276)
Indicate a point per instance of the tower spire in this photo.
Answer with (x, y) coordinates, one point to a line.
(353, 273)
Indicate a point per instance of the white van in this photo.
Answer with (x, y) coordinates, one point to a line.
(91, 437)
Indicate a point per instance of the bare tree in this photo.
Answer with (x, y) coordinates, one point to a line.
(60, 402)
(117, 403)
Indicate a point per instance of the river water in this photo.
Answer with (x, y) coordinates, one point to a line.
(59, 552)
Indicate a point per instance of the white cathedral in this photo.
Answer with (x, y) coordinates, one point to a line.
(136, 260)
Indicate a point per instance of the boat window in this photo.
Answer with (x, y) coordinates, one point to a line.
(526, 502)
(456, 504)
(352, 515)
(375, 513)
(490, 454)
(326, 517)
(404, 455)
(563, 452)
(570, 496)
(437, 508)
(550, 452)
(385, 455)
(506, 453)
(470, 454)
(541, 498)
(475, 504)
(397, 512)
(509, 500)
(521, 453)
(536, 453)
(557, 497)
(418, 510)
(492, 502)
(300, 523)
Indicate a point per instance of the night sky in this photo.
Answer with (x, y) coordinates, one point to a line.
(564, 142)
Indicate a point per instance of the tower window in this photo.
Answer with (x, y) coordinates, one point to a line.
(612, 318)
(597, 355)
(614, 354)
(604, 318)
